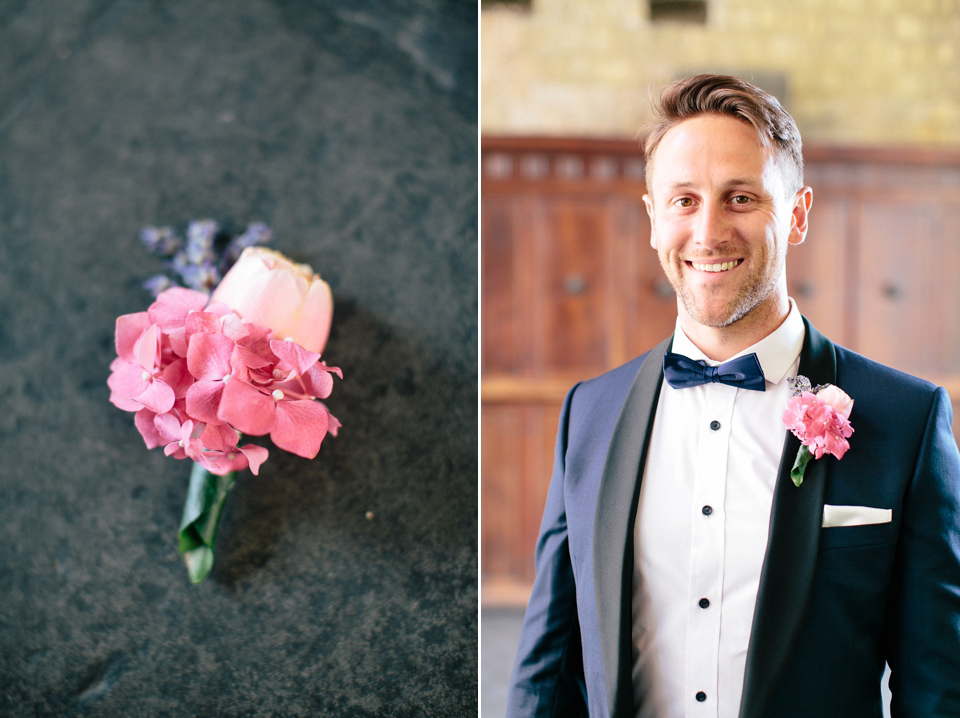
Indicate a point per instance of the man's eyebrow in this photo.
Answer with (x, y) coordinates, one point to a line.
(735, 182)
(744, 181)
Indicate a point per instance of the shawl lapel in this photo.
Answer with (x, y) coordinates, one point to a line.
(790, 560)
(613, 528)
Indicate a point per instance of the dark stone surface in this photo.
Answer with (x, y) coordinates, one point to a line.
(344, 586)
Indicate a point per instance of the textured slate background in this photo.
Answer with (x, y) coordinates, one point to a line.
(349, 128)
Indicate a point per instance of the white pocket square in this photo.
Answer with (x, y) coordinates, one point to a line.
(854, 515)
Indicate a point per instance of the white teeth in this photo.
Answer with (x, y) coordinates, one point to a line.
(720, 267)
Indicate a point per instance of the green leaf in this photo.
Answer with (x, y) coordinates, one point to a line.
(206, 496)
(199, 562)
(800, 465)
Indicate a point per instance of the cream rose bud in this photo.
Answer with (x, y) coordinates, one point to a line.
(267, 289)
(837, 398)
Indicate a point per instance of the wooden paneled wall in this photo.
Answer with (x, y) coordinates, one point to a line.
(571, 288)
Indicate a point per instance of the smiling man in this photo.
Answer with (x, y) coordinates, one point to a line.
(683, 569)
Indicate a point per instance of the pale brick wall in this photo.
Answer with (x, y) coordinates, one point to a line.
(857, 72)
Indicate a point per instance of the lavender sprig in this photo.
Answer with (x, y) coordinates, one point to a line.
(799, 384)
(201, 261)
(257, 233)
(160, 240)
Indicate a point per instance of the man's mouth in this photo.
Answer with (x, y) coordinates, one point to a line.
(715, 266)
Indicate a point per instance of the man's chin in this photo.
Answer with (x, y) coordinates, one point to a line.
(716, 317)
(716, 322)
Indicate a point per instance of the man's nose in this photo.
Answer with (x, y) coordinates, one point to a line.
(712, 227)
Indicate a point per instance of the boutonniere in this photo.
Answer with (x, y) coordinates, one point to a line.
(200, 371)
(820, 418)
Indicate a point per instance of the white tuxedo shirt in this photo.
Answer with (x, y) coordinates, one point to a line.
(701, 532)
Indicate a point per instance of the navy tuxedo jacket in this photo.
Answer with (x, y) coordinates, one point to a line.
(834, 603)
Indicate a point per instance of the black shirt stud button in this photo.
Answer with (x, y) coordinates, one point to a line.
(706, 510)
(704, 602)
(701, 696)
(715, 425)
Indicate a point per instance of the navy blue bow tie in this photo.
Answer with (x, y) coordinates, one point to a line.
(743, 372)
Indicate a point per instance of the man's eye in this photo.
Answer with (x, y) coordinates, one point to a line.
(684, 202)
(741, 199)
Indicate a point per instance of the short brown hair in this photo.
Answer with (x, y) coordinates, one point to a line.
(731, 96)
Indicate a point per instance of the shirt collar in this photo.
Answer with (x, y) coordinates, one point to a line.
(777, 352)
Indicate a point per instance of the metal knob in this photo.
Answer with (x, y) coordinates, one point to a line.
(892, 291)
(662, 288)
(575, 284)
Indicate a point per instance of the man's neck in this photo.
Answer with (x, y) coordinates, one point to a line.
(722, 343)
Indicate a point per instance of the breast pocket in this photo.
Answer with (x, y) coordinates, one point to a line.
(832, 537)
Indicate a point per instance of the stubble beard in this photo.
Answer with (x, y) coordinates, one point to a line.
(751, 293)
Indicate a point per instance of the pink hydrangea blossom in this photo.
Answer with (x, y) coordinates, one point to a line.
(818, 425)
(198, 375)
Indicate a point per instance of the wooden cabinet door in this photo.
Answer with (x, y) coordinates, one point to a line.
(908, 289)
(570, 283)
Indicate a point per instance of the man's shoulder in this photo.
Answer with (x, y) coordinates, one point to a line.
(856, 369)
(878, 390)
(853, 366)
(612, 386)
(623, 374)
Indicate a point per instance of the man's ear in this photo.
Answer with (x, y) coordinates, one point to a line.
(648, 203)
(799, 219)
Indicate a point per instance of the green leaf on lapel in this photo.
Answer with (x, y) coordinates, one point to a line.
(800, 465)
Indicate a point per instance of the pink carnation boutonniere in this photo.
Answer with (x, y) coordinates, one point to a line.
(820, 418)
(199, 371)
